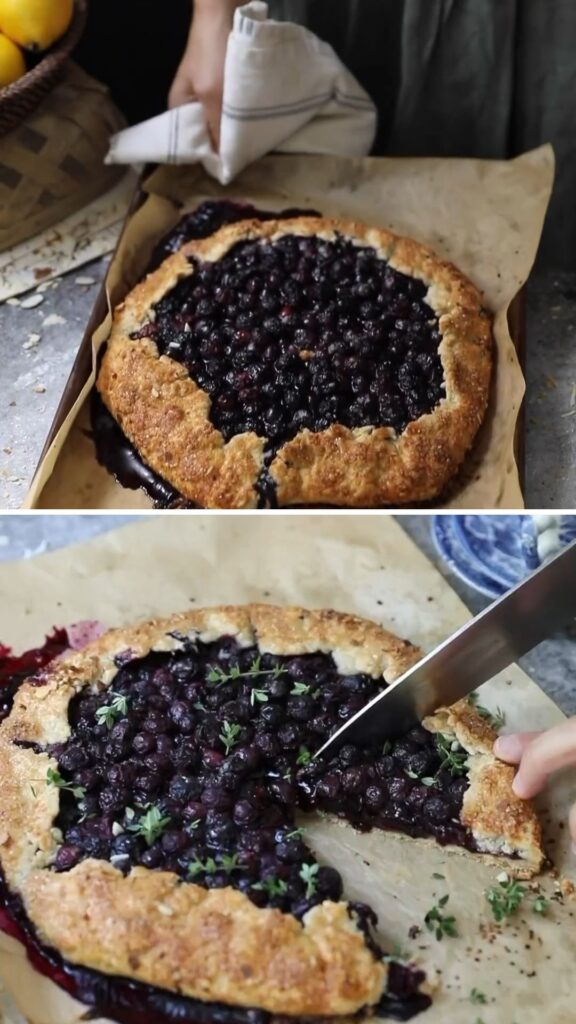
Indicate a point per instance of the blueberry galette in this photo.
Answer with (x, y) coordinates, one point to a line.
(301, 361)
(150, 857)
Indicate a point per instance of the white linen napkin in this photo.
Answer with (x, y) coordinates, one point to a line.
(284, 90)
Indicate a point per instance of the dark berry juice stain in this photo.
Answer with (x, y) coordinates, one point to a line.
(115, 452)
(14, 669)
(303, 333)
(196, 761)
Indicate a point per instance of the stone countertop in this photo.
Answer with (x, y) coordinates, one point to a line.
(34, 372)
(552, 665)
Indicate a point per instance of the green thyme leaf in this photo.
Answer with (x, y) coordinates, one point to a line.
(272, 886)
(304, 756)
(300, 689)
(541, 905)
(454, 758)
(308, 873)
(230, 735)
(202, 867)
(477, 997)
(505, 897)
(229, 862)
(297, 833)
(53, 778)
(108, 713)
(259, 696)
(439, 923)
(150, 826)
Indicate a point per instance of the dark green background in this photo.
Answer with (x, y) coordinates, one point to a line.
(486, 78)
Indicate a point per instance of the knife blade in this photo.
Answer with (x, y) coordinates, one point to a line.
(510, 627)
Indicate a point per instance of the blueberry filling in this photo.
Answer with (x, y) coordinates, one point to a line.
(208, 218)
(303, 333)
(195, 762)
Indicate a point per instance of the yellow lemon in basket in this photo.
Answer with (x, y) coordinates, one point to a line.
(35, 24)
(12, 63)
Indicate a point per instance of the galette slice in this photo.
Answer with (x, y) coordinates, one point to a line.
(147, 830)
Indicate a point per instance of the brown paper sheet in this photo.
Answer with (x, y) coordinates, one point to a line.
(485, 216)
(361, 564)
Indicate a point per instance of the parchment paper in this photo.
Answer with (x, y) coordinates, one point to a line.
(362, 564)
(485, 216)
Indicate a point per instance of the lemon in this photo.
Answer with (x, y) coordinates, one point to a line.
(35, 24)
(12, 63)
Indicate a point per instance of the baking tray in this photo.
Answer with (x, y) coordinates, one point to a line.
(82, 365)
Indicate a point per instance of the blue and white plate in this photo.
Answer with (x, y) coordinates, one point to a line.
(493, 553)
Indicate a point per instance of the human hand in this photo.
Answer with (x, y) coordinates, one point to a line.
(538, 755)
(200, 75)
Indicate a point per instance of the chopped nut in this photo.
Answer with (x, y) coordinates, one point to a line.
(32, 301)
(53, 320)
(33, 341)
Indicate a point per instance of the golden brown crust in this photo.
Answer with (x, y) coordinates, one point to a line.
(209, 944)
(214, 944)
(502, 824)
(39, 713)
(166, 416)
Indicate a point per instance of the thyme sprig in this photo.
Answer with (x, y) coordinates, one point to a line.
(272, 886)
(53, 778)
(506, 897)
(218, 676)
(454, 758)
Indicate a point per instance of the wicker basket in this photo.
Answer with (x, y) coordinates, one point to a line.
(18, 100)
